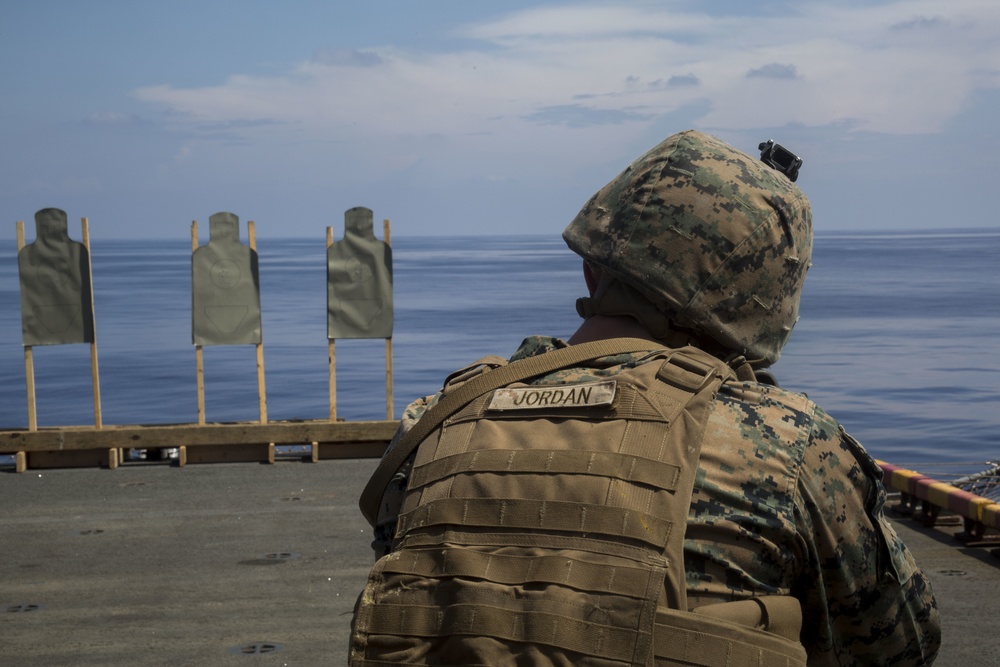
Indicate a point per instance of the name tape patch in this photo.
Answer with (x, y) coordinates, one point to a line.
(585, 395)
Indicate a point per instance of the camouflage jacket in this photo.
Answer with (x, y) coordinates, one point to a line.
(785, 503)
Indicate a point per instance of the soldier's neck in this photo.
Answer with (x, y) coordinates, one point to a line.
(601, 327)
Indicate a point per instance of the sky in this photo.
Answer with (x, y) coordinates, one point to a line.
(456, 117)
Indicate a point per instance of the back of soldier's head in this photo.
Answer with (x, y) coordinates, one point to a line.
(719, 241)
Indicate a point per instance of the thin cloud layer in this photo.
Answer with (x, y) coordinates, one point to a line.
(897, 68)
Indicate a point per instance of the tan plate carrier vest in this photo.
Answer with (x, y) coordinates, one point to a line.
(544, 525)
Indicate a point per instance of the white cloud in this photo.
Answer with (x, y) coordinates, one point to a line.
(544, 76)
(542, 25)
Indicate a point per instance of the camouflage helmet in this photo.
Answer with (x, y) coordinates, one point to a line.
(716, 239)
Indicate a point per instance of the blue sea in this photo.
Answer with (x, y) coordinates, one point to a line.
(897, 337)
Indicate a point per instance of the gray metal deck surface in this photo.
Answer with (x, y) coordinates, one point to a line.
(259, 566)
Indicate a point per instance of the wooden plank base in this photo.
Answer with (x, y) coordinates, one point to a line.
(250, 453)
(70, 447)
(351, 450)
(79, 458)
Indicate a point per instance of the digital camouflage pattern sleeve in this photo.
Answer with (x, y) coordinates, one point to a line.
(785, 503)
(872, 604)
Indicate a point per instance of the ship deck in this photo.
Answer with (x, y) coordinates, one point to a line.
(256, 564)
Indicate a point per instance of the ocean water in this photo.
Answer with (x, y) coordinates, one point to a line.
(897, 335)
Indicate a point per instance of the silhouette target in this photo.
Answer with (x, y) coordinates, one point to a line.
(56, 300)
(225, 287)
(359, 281)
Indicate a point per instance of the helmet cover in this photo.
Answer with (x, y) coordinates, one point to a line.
(716, 239)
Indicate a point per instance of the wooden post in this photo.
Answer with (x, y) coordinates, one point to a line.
(261, 389)
(331, 361)
(29, 373)
(94, 373)
(199, 366)
(388, 346)
(332, 348)
(29, 358)
(21, 458)
(388, 379)
(199, 360)
(114, 454)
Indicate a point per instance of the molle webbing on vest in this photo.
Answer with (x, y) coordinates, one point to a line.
(538, 515)
(435, 537)
(695, 641)
(574, 462)
(603, 576)
(511, 625)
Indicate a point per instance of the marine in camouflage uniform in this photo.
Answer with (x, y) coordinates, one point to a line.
(697, 243)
